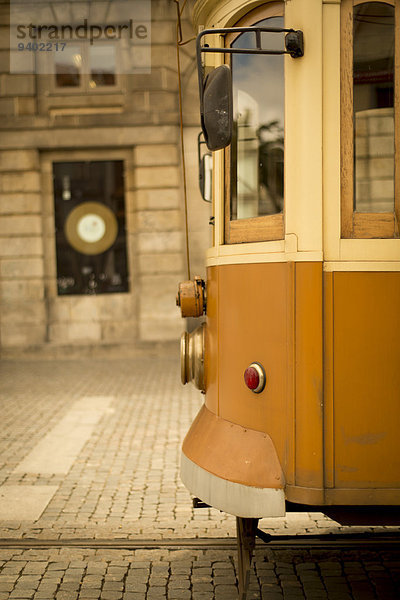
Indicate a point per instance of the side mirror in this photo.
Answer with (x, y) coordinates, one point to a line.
(216, 90)
(216, 108)
(205, 169)
(205, 177)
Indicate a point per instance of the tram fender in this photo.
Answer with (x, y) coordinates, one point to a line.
(232, 468)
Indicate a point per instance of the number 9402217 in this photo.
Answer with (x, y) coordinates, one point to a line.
(42, 46)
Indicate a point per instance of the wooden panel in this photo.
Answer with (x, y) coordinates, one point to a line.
(367, 379)
(329, 480)
(304, 495)
(343, 496)
(260, 308)
(373, 225)
(309, 375)
(256, 229)
(290, 467)
(346, 116)
(397, 119)
(253, 326)
(367, 497)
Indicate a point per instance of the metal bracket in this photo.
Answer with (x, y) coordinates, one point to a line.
(294, 44)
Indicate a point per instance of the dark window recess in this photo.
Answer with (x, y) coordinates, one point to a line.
(89, 209)
(68, 67)
(102, 66)
(86, 68)
(373, 69)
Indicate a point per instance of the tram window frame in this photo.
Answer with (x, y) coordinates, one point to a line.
(364, 225)
(267, 227)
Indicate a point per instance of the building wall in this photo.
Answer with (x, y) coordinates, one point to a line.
(139, 124)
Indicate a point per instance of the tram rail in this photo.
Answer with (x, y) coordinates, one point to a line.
(276, 542)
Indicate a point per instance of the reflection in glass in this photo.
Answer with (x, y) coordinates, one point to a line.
(68, 66)
(102, 65)
(373, 73)
(258, 136)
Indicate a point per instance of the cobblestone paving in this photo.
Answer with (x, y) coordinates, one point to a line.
(125, 481)
(68, 574)
(125, 484)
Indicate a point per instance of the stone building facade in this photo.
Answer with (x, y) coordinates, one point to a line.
(133, 125)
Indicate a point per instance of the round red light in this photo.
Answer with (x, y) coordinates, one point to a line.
(254, 377)
(251, 378)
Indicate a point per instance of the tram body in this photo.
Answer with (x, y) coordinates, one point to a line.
(309, 289)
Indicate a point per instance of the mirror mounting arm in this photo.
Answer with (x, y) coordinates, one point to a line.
(216, 102)
(294, 45)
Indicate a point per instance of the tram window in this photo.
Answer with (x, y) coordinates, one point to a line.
(256, 158)
(373, 76)
(368, 126)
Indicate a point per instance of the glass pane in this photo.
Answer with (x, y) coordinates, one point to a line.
(373, 74)
(102, 65)
(89, 216)
(68, 65)
(257, 144)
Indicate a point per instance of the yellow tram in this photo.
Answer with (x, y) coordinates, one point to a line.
(299, 357)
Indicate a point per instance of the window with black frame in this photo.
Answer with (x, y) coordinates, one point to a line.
(89, 211)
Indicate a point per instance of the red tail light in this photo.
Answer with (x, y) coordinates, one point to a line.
(254, 377)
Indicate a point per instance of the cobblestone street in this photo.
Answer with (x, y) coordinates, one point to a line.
(119, 425)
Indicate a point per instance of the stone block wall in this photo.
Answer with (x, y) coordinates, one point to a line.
(23, 311)
(139, 124)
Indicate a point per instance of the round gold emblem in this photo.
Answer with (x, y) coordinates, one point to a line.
(91, 228)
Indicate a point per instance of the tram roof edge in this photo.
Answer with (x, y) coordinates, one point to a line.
(212, 12)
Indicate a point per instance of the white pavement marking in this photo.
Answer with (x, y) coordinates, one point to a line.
(58, 450)
(24, 502)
